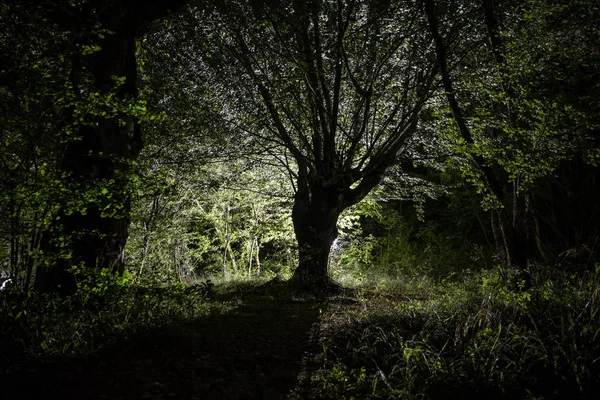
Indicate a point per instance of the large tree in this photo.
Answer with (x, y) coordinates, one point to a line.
(332, 88)
(102, 123)
(513, 237)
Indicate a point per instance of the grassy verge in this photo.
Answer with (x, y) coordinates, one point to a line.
(39, 326)
(232, 341)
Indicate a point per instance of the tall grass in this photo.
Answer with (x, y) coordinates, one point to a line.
(466, 338)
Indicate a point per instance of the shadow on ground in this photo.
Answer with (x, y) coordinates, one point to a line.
(256, 351)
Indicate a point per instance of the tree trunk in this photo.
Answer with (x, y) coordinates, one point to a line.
(315, 217)
(513, 231)
(257, 253)
(96, 234)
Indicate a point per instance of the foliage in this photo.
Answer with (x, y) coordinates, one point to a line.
(521, 126)
(397, 237)
(104, 308)
(236, 224)
(248, 107)
(464, 339)
(33, 85)
(50, 105)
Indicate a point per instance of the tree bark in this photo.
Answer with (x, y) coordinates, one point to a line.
(99, 157)
(315, 215)
(339, 160)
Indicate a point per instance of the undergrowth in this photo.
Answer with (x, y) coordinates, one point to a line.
(44, 325)
(467, 338)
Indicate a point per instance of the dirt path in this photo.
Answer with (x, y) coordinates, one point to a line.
(256, 351)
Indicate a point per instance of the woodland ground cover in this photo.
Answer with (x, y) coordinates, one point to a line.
(463, 337)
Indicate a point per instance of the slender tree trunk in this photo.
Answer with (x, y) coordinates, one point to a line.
(232, 257)
(14, 234)
(257, 246)
(227, 239)
(519, 243)
(250, 254)
(515, 240)
(148, 229)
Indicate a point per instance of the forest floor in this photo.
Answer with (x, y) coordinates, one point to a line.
(471, 338)
(262, 346)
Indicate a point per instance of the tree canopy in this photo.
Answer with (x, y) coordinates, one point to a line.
(416, 102)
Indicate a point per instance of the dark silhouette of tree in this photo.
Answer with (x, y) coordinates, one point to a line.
(96, 161)
(338, 86)
(520, 123)
(514, 239)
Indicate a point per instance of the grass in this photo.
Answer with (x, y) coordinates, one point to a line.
(470, 338)
(412, 338)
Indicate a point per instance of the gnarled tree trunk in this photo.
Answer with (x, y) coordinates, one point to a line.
(315, 215)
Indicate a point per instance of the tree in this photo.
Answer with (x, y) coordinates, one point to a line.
(215, 218)
(512, 114)
(102, 121)
(34, 73)
(511, 235)
(204, 193)
(335, 87)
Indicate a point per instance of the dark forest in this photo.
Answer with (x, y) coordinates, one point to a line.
(299, 199)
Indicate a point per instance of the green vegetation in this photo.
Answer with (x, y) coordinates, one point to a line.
(340, 199)
(463, 337)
